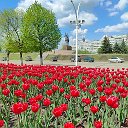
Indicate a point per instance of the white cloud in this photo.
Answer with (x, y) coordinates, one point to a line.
(60, 7)
(108, 3)
(105, 3)
(115, 28)
(113, 13)
(88, 17)
(64, 10)
(80, 31)
(121, 4)
(124, 17)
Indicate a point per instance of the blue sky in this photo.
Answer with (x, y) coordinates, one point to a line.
(102, 17)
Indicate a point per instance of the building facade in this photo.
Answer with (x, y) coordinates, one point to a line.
(92, 46)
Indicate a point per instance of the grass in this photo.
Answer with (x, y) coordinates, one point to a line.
(16, 56)
(97, 57)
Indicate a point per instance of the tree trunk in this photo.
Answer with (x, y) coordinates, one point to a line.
(8, 53)
(21, 58)
(41, 57)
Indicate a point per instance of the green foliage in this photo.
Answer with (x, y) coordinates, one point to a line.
(116, 48)
(0, 48)
(10, 23)
(106, 46)
(99, 50)
(40, 30)
(83, 52)
(123, 47)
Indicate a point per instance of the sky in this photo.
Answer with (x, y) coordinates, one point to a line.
(102, 17)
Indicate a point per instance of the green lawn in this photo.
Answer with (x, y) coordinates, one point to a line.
(97, 57)
(16, 56)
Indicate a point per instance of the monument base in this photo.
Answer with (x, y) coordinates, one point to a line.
(67, 47)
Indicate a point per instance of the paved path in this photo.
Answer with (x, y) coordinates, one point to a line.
(69, 63)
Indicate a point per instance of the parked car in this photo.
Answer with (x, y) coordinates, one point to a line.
(116, 60)
(73, 59)
(4, 58)
(55, 58)
(28, 58)
(88, 59)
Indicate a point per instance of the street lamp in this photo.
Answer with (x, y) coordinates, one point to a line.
(78, 25)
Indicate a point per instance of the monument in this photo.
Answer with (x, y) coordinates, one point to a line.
(66, 45)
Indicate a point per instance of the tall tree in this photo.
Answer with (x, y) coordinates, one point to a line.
(10, 23)
(106, 46)
(123, 47)
(116, 48)
(40, 29)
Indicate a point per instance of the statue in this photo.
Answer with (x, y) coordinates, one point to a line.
(66, 44)
(66, 39)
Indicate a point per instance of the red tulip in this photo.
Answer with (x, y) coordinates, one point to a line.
(69, 125)
(1, 123)
(18, 93)
(120, 89)
(3, 86)
(108, 91)
(84, 89)
(64, 107)
(100, 82)
(5, 92)
(124, 95)
(49, 92)
(55, 88)
(32, 100)
(46, 102)
(117, 80)
(98, 124)
(25, 87)
(67, 96)
(100, 89)
(102, 98)
(112, 100)
(39, 97)
(72, 87)
(57, 111)
(75, 93)
(65, 80)
(115, 105)
(92, 91)
(94, 109)
(23, 95)
(40, 85)
(35, 107)
(88, 82)
(81, 85)
(86, 100)
(72, 81)
(61, 90)
(19, 107)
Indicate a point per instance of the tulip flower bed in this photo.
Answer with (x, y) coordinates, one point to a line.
(63, 97)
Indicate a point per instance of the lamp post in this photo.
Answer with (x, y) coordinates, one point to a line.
(78, 25)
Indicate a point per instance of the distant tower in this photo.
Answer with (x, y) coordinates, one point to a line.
(66, 39)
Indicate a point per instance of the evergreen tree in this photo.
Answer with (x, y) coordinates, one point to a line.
(116, 48)
(106, 46)
(123, 47)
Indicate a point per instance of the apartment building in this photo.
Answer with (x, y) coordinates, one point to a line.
(92, 46)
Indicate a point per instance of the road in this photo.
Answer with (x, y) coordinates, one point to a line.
(83, 64)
